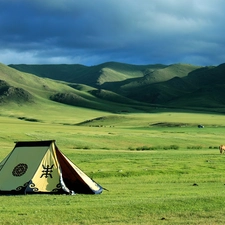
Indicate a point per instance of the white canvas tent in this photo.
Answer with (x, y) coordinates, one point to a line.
(40, 167)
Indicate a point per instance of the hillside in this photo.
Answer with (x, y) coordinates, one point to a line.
(25, 89)
(89, 75)
(176, 85)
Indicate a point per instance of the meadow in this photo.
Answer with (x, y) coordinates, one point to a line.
(156, 167)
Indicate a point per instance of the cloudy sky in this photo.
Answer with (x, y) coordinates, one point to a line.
(91, 32)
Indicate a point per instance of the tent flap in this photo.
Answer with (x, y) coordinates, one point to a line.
(75, 179)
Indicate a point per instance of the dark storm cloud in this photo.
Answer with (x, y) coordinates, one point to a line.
(91, 32)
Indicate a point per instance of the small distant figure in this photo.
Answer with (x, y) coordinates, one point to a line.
(200, 126)
(222, 149)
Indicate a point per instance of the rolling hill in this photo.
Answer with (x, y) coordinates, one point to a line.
(176, 85)
(22, 88)
(89, 75)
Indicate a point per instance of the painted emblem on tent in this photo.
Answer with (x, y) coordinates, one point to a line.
(22, 187)
(32, 186)
(47, 171)
(19, 170)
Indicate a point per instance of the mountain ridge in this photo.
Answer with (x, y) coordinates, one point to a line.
(176, 85)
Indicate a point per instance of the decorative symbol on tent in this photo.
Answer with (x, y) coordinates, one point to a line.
(22, 187)
(33, 188)
(19, 170)
(47, 171)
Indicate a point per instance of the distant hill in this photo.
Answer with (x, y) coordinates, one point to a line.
(89, 75)
(176, 85)
(28, 89)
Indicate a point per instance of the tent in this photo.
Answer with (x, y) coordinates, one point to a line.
(36, 167)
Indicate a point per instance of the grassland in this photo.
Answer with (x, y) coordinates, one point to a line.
(157, 167)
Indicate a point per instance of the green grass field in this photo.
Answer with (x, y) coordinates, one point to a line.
(157, 167)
